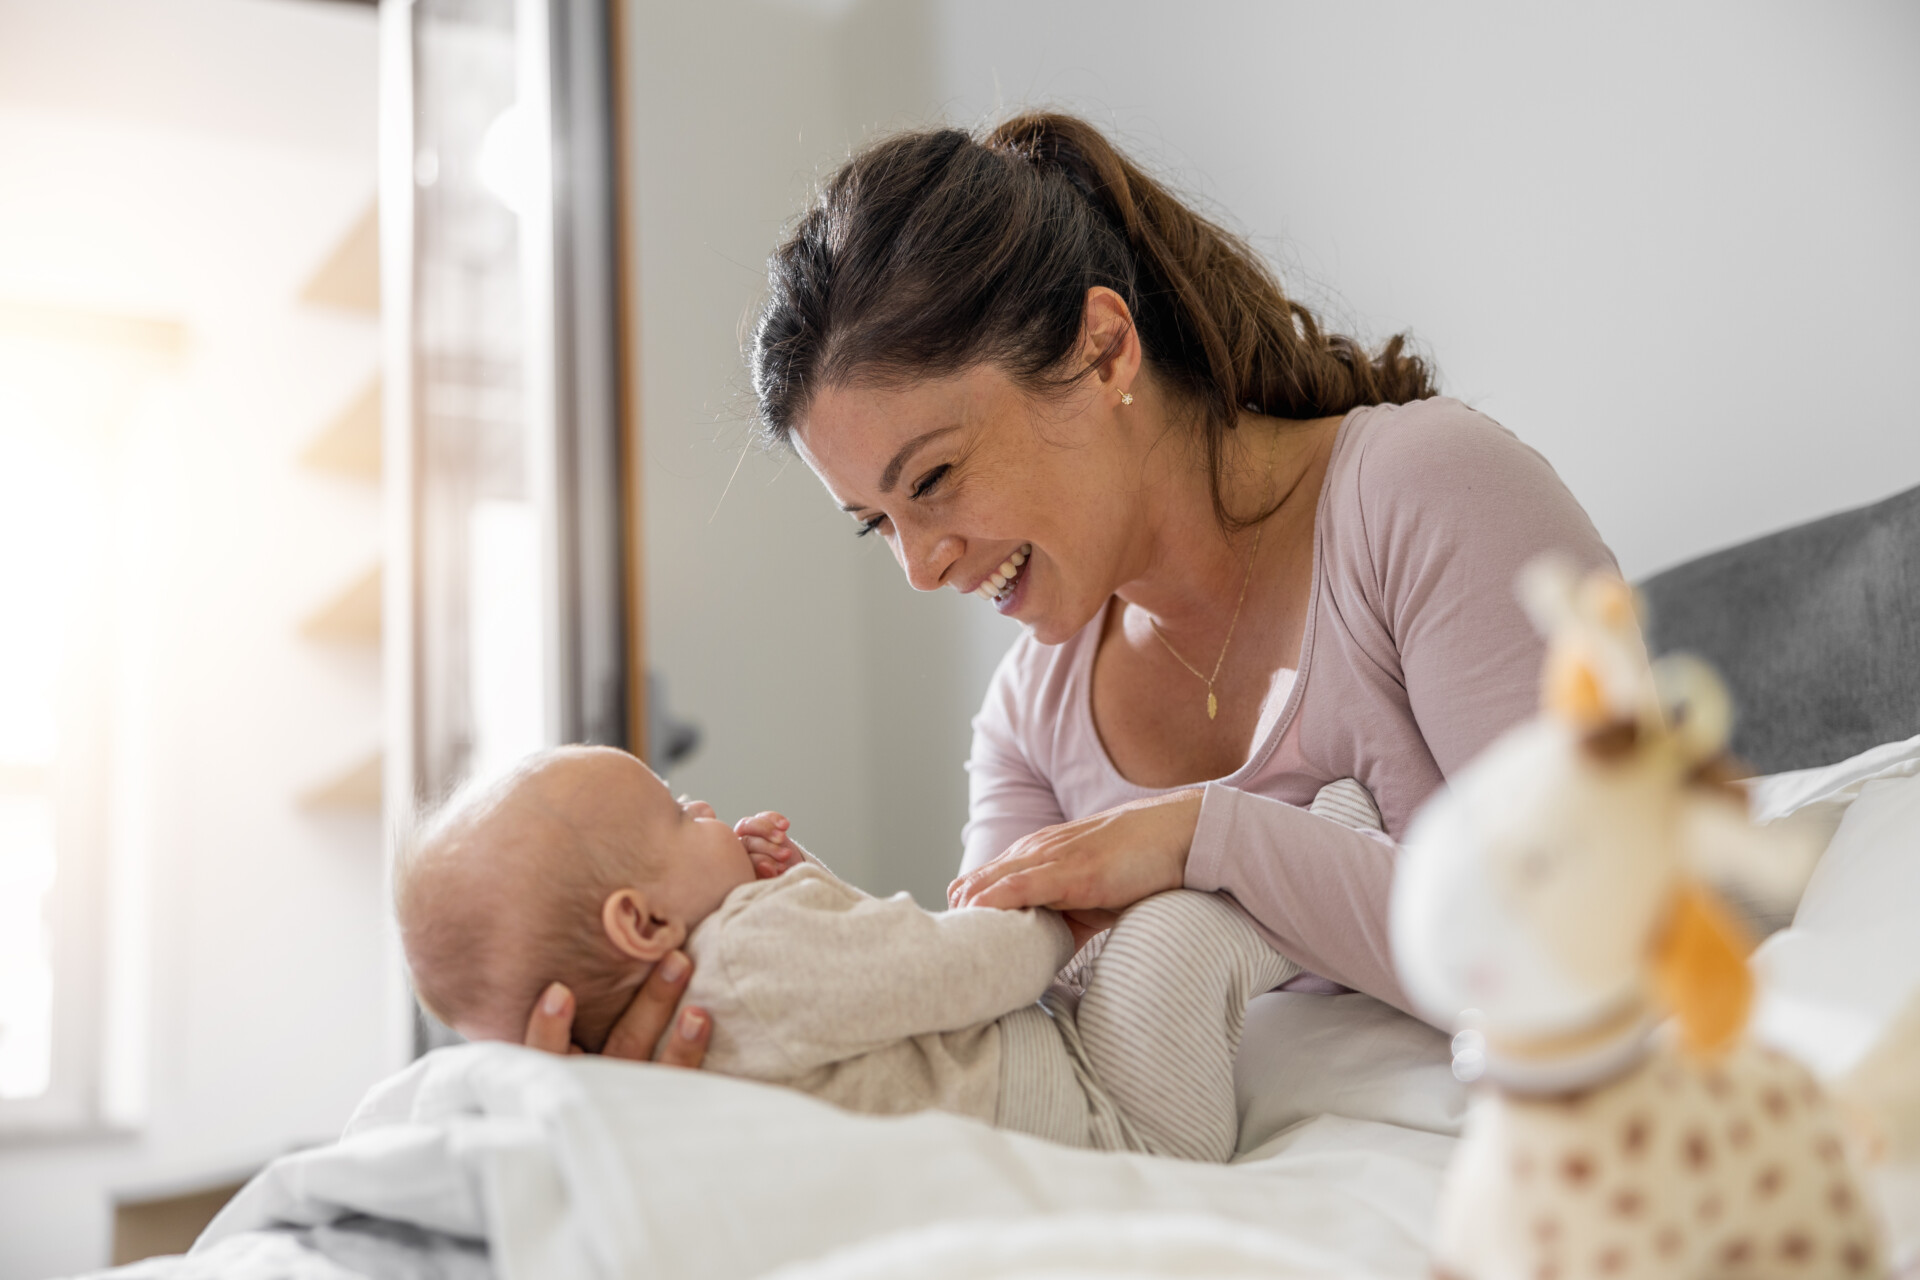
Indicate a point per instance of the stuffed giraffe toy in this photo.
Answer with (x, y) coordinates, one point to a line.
(1551, 905)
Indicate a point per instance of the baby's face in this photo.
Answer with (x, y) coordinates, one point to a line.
(696, 859)
(680, 856)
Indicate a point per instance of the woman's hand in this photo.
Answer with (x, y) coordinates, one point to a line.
(550, 1026)
(1091, 867)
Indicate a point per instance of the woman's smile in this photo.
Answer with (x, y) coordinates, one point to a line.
(1003, 584)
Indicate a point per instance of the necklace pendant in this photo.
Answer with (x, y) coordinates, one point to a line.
(1213, 705)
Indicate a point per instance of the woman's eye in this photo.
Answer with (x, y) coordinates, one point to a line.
(930, 480)
(868, 526)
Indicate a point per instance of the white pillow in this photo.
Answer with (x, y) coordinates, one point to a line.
(1846, 975)
(1809, 804)
(1819, 797)
(1831, 984)
(1303, 1055)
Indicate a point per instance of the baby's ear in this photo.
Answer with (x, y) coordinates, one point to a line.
(633, 928)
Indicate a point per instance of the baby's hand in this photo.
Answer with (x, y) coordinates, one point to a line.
(765, 836)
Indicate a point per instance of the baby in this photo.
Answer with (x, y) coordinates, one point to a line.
(581, 867)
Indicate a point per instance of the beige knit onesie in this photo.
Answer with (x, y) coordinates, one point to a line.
(882, 1007)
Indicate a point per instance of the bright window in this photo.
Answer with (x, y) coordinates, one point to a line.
(68, 386)
(26, 962)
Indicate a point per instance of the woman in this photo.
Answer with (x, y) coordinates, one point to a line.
(1252, 558)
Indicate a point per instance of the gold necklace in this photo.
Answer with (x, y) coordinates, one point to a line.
(1213, 703)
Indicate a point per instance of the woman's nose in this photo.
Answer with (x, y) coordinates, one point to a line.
(927, 559)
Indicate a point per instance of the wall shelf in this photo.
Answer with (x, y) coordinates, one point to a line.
(355, 790)
(350, 277)
(350, 444)
(352, 616)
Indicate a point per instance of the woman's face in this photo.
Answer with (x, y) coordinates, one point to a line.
(962, 474)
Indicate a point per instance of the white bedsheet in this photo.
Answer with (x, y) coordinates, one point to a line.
(585, 1167)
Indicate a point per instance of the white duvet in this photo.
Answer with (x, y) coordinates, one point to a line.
(589, 1168)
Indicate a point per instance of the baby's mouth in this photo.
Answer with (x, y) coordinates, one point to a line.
(1000, 582)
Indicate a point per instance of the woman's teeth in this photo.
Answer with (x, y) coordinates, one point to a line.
(1001, 580)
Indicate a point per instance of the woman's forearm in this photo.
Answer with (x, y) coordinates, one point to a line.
(1317, 889)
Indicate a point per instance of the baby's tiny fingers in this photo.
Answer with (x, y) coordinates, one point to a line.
(761, 825)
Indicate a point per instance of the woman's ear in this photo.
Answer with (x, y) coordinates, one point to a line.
(633, 928)
(1109, 339)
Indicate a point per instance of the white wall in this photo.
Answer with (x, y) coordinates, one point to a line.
(194, 160)
(747, 600)
(824, 687)
(1671, 246)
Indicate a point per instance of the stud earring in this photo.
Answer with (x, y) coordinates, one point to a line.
(1126, 397)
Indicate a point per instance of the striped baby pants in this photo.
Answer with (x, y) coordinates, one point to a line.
(1157, 1021)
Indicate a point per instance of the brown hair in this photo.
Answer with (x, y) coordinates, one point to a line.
(934, 251)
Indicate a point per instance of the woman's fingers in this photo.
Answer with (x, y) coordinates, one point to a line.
(965, 891)
(1040, 854)
(1109, 860)
(649, 1012)
(1043, 884)
(1017, 856)
(688, 1045)
(1026, 884)
(550, 1025)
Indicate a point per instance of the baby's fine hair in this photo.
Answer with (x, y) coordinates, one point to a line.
(498, 893)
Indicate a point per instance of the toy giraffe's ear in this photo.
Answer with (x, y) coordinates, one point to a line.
(1700, 972)
(1570, 689)
(1695, 705)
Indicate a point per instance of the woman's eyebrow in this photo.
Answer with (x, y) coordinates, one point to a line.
(891, 476)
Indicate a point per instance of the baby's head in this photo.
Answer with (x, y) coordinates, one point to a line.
(579, 867)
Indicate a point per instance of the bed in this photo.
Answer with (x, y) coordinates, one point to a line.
(489, 1160)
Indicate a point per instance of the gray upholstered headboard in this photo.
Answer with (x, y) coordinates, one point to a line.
(1815, 628)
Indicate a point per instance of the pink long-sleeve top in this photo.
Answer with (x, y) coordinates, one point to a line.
(1416, 655)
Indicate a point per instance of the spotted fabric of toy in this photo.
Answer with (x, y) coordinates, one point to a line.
(1728, 1170)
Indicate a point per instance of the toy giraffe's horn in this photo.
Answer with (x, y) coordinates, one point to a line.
(1547, 588)
(1595, 676)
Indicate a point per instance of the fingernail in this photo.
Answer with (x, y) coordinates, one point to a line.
(692, 1023)
(555, 1001)
(784, 823)
(674, 967)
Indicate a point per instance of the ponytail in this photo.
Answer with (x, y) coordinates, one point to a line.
(931, 252)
